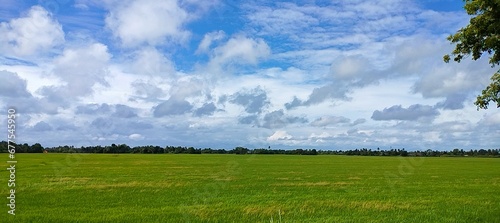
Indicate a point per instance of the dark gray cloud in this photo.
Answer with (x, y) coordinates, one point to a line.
(222, 99)
(207, 109)
(32, 105)
(358, 121)
(14, 93)
(274, 119)
(253, 100)
(294, 103)
(42, 126)
(411, 113)
(124, 111)
(452, 102)
(278, 119)
(251, 119)
(139, 125)
(172, 107)
(66, 127)
(56, 95)
(321, 94)
(102, 123)
(330, 120)
(118, 110)
(11, 85)
(93, 109)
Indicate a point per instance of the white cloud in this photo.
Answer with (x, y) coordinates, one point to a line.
(79, 68)
(150, 61)
(136, 136)
(152, 22)
(34, 34)
(321, 137)
(491, 119)
(279, 135)
(349, 67)
(208, 39)
(241, 50)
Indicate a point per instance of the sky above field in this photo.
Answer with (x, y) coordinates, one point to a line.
(208, 73)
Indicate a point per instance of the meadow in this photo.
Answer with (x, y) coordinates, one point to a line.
(252, 188)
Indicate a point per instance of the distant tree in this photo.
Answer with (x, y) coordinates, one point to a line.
(36, 148)
(123, 148)
(240, 150)
(3, 146)
(481, 35)
(482, 152)
(403, 152)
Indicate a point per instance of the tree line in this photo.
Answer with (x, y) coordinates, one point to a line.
(150, 149)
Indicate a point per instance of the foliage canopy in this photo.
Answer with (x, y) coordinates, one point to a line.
(481, 35)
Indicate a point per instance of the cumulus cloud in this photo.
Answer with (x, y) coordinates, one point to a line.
(206, 110)
(453, 81)
(349, 67)
(321, 94)
(278, 119)
(250, 119)
(136, 136)
(397, 112)
(321, 137)
(491, 120)
(330, 120)
(186, 87)
(14, 93)
(80, 69)
(118, 110)
(12, 86)
(124, 111)
(254, 100)
(172, 107)
(42, 127)
(67, 127)
(453, 102)
(34, 33)
(240, 50)
(137, 125)
(358, 121)
(150, 61)
(102, 123)
(147, 90)
(93, 109)
(150, 22)
(279, 135)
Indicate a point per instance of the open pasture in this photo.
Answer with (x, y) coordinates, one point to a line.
(252, 188)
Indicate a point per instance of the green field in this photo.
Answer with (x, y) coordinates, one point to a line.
(252, 188)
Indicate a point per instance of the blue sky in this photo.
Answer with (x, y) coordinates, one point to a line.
(221, 74)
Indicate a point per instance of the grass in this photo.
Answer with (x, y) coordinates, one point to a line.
(252, 188)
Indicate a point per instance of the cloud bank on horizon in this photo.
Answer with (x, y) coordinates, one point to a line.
(225, 73)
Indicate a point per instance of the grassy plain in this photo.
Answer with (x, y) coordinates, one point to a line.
(252, 188)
